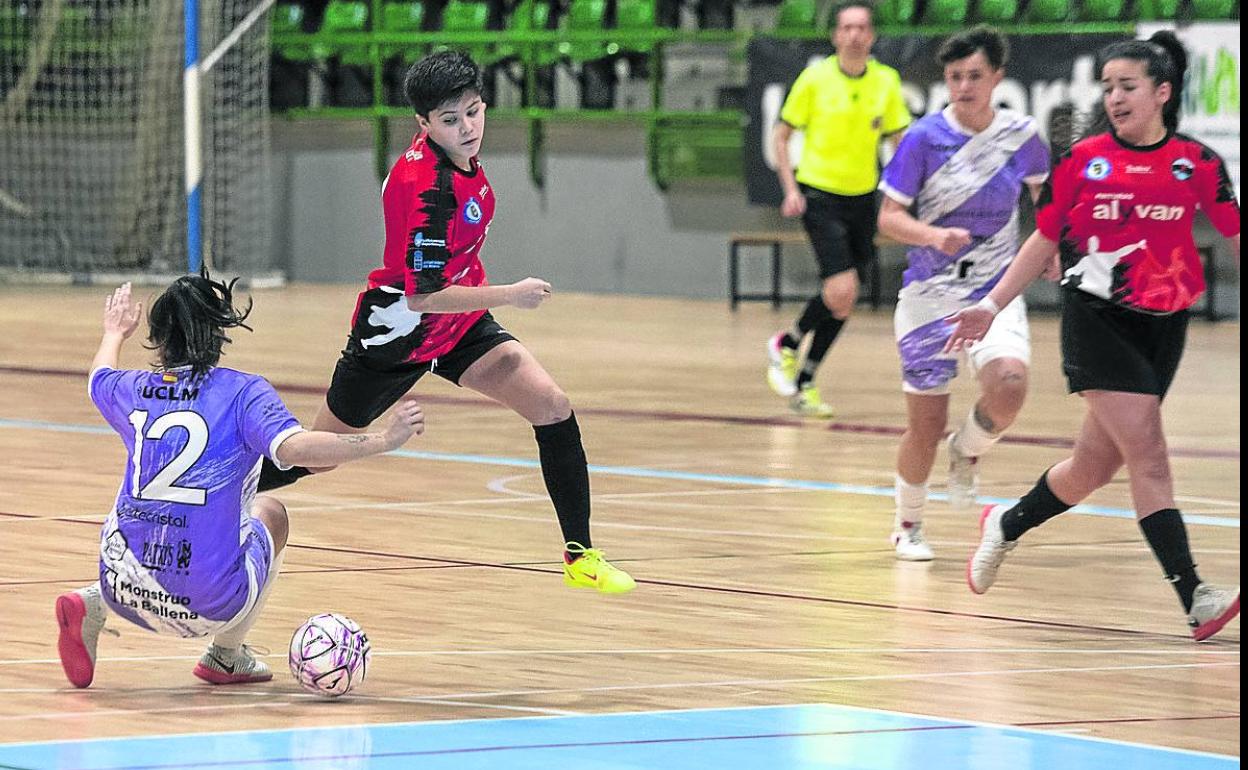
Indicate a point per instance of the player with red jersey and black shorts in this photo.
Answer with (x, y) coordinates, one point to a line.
(427, 308)
(1118, 209)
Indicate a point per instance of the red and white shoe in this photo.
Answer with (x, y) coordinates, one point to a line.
(80, 615)
(220, 665)
(1212, 608)
(981, 568)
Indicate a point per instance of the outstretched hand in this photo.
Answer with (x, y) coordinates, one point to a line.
(972, 323)
(408, 421)
(121, 315)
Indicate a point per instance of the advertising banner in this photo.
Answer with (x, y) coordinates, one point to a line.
(1211, 95)
(1046, 77)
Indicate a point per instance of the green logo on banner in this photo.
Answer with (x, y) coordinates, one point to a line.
(1213, 90)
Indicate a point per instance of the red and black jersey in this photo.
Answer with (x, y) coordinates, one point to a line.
(436, 218)
(1122, 216)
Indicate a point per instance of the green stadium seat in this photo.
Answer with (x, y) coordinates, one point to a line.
(1213, 10)
(796, 16)
(289, 17)
(468, 16)
(531, 15)
(584, 16)
(528, 15)
(1156, 10)
(1050, 11)
(401, 17)
(945, 11)
(344, 16)
(888, 13)
(997, 11)
(636, 16)
(1102, 10)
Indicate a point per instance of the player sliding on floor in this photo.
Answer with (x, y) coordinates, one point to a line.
(189, 549)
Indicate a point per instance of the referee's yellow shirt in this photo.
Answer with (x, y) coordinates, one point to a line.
(843, 119)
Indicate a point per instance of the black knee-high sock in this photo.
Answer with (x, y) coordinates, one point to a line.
(1167, 536)
(1037, 506)
(567, 477)
(272, 478)
(825, 334)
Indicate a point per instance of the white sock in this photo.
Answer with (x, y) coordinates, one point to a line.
(232, 637)
(971, 439)
(911, 500)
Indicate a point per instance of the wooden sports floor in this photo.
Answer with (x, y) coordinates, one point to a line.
(759, 541)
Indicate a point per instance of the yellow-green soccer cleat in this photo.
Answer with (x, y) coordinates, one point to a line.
(808, 402)
(587, 568)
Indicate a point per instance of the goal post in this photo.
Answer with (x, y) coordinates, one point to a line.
(134, 140)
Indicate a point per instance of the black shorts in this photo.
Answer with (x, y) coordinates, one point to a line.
(1109, 347)
(363, 388)
(841, 230)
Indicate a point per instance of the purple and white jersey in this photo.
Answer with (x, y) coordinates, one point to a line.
(959, 179)
(172, 551)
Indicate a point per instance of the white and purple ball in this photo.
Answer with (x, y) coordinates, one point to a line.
(329, 654)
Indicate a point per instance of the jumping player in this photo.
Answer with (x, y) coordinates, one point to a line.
(426, 308)
(962, 170)
(1119, 210)
(189, 548)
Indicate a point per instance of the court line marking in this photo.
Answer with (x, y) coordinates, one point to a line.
(891, 431)
(670, 475)
(461, 696)
(693, 651)
(744, 591)
(655, 712)
(330, 504)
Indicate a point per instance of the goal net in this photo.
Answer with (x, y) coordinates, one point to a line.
(93, 178)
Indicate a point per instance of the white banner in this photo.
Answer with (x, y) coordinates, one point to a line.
(1211, 96)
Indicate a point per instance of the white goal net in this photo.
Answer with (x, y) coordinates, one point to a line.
(92, 157)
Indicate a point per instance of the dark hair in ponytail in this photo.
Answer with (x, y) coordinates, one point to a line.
(187, 323)
(1165, 62)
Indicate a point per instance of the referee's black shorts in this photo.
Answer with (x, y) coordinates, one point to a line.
(364, 387)
(841, 229)
(1110, 347)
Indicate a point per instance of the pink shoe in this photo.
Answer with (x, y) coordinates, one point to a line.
(80, 615)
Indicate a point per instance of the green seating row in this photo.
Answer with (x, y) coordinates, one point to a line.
(797, 16)
(465, 16)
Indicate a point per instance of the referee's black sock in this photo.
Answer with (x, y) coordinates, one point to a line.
(271, 477)
(1037, 506)
(567, 477)
(825, 334)
(1167, 536)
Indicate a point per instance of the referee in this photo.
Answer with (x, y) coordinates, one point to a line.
(845, 104)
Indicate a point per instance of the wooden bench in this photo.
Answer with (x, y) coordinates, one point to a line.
(776, 239)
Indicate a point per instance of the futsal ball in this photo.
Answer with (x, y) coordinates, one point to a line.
(329, 655)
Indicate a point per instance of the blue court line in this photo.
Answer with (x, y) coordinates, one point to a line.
(708, 478)
(809, 737)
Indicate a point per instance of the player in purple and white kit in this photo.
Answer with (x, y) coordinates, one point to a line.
(962, 170)
(189, 548)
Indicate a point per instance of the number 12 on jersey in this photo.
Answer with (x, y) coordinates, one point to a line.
(161, 487)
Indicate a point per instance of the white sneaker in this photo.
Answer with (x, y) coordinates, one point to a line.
(80, 615)
(781, 367)
(1212, 608)
(981, 568)
(910, 544)
(963, 476)
(220, 665)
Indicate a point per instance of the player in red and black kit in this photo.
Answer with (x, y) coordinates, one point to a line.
(1118, 209)
(427, 308)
